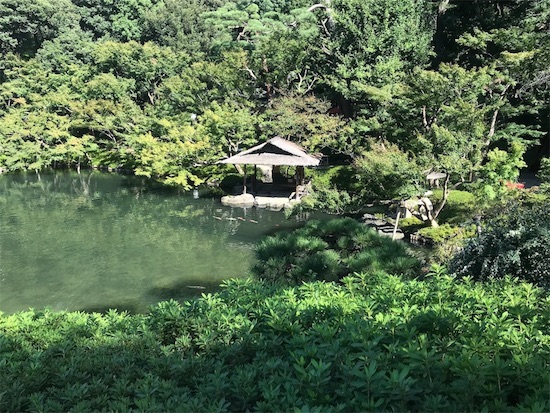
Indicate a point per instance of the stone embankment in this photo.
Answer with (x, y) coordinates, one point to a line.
(271, 203)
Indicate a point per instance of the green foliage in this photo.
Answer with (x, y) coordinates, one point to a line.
(544, 171)
(26, 24)
(514, 243)
(180, 25)
(461, 206)
(454, 115)
(341, 176)
(324, 198)
(385, 172)
(72, 47)
(445, 232)
(304, 120)
(501, 167)
(330, 251)
(544, 174)
(121, 20)
(230, 127)
(410, 224)
(375, 44)
(145, 64)
(373, 342)
(331, 191)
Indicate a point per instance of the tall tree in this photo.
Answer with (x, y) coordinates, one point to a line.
(304, 120)
(373, 44)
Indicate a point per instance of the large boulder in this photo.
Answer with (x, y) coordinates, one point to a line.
(243, 200)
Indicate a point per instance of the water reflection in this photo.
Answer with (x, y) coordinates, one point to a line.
(96, 241)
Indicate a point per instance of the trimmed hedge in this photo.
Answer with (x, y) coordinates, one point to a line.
(330, 251)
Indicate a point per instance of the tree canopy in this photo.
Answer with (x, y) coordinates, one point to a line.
(122, 84)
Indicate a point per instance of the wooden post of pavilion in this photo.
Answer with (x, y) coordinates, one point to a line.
(254, 189)
(244, 179)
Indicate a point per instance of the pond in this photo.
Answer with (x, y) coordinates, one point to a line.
(94, 241)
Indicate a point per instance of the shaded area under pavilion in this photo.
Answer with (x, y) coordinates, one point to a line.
(275, 153)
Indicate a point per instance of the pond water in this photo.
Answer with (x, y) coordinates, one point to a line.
(94, 241)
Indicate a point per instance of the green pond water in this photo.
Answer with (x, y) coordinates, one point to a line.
(94, 241)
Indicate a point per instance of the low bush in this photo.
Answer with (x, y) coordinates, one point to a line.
(411, 224)
(386, 172)
(513, 243)
(461, 206)
(446, 232)
(329, 251)
(329, 200)
(372, 343)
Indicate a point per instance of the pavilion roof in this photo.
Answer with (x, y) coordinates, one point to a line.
(276, 151)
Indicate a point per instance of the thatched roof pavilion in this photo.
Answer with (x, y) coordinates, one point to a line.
(275, 152)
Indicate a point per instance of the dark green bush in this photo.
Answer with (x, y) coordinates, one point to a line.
(372, 343)
(329, 200)
(230, 181)
(386, 172)
(341, 177)
(514, 243)
(331, 191)
(329, 251)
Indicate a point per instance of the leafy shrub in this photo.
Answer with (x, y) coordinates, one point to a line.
(341, 177)
(373, 342)
(330, 192)
(386, 172)
(514, 243)
(501, 167)
(544, 174)
(446, 232)
(544, 170)
(329, 251)
(230, 181)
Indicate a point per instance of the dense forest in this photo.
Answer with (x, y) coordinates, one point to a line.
(167, 88)
(332, 316)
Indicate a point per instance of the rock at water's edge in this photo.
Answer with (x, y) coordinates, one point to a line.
(243, 200)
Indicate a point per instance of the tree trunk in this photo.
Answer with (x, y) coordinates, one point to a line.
(239, 169)
(432, 216)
